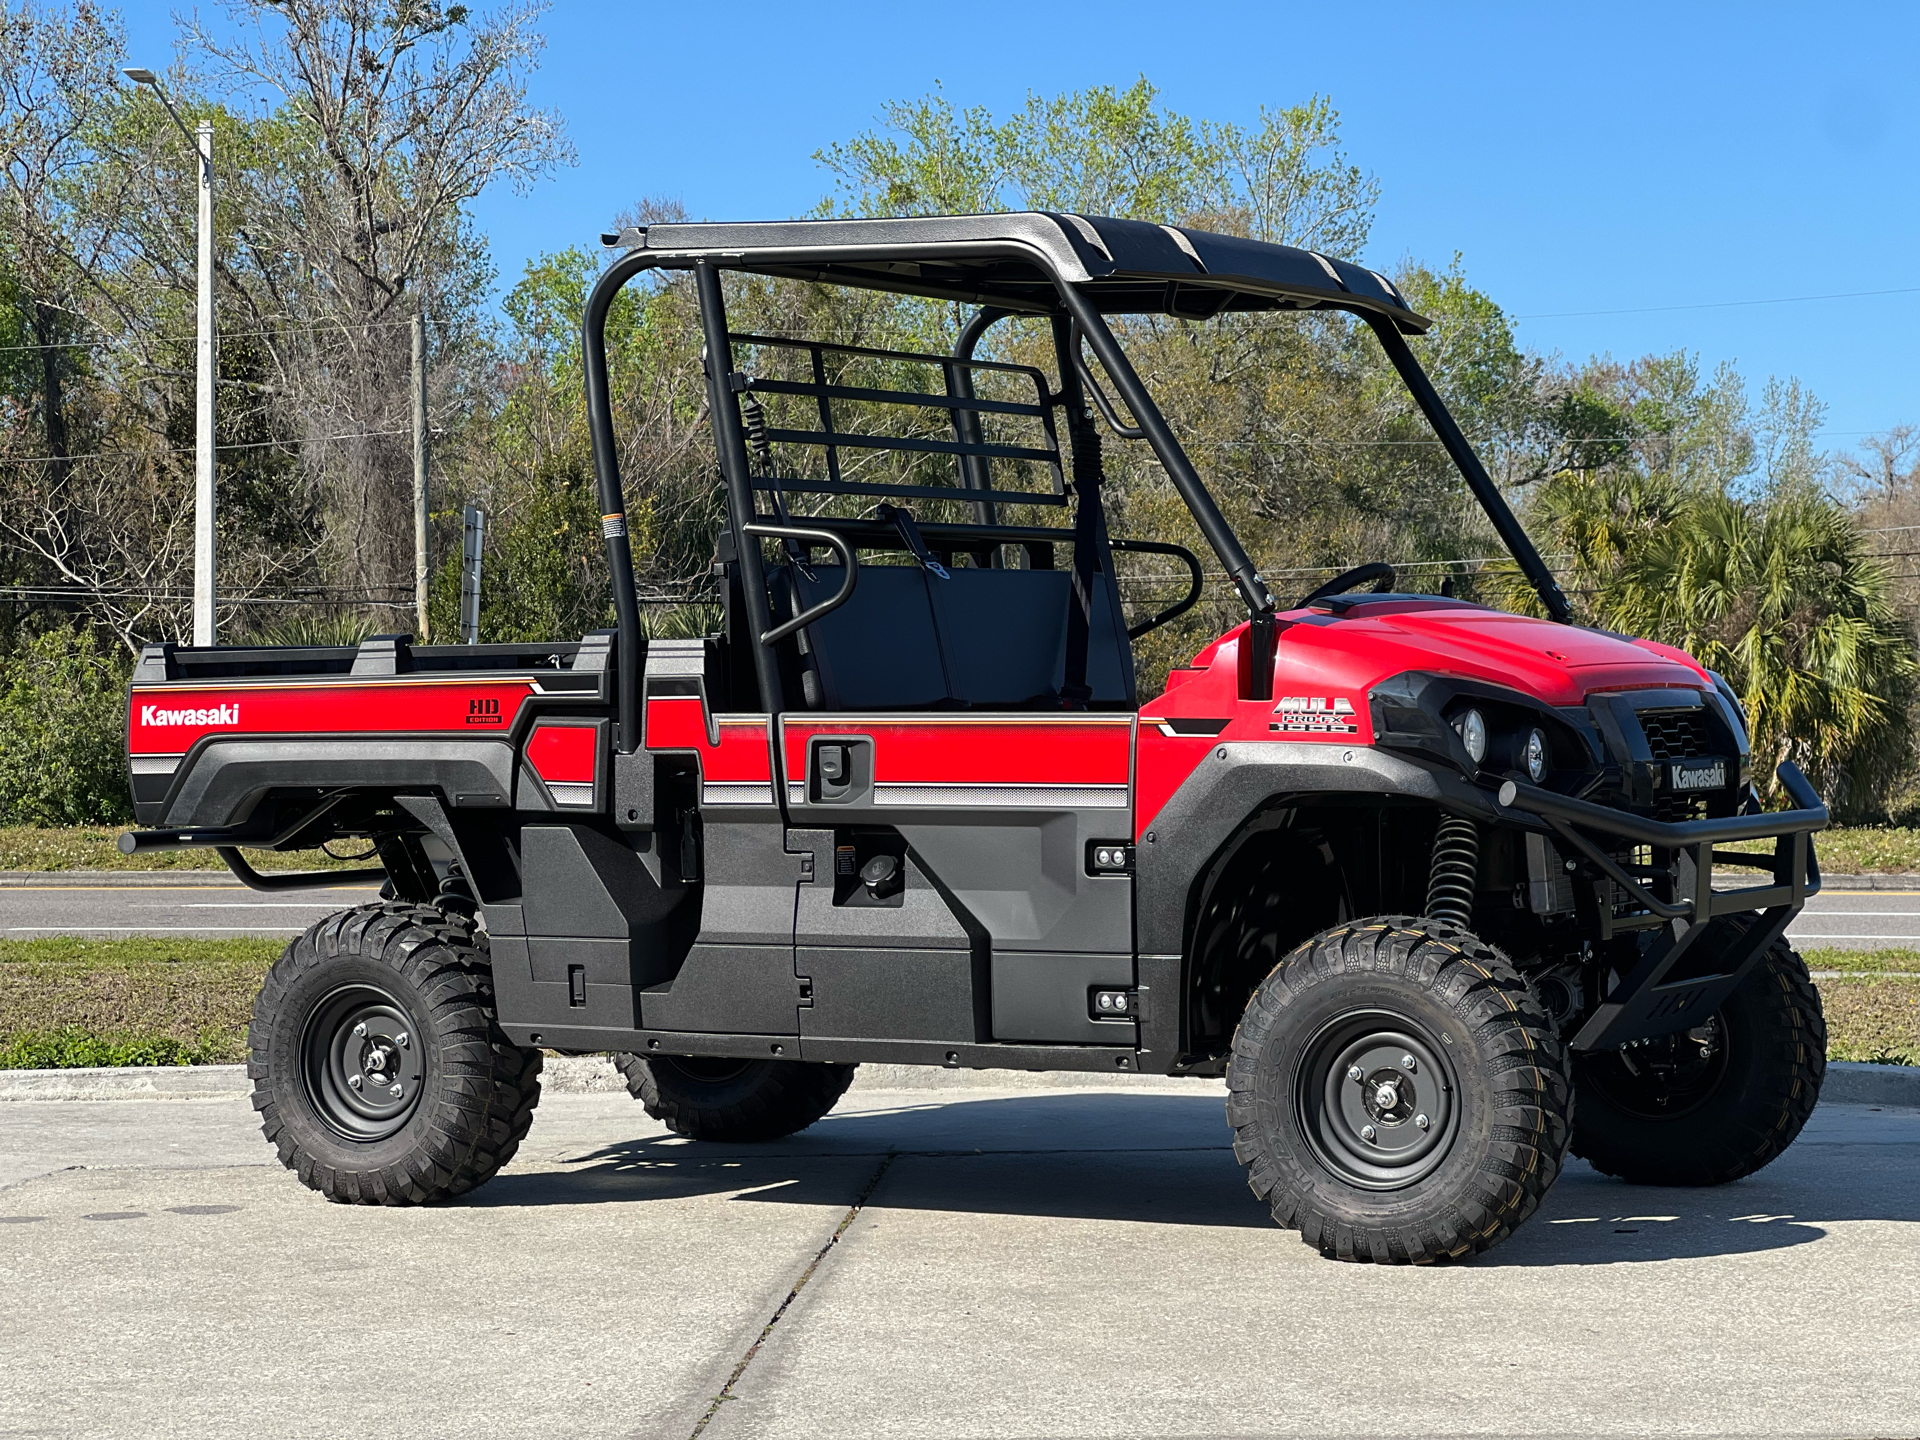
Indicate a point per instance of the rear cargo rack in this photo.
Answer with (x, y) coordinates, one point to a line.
(865, 408)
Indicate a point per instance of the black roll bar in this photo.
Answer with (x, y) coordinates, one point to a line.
(731, 440)
(966, 423)
(1153, 425)
(613, 505)
(1484, 490)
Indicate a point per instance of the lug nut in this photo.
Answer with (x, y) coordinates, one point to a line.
(1422, 1121)
(354, 1081)
(394, 1090)
(1407, 1064)
(361, 1028)
(1367, 1132)
(1354, 1073)
(401, 1039)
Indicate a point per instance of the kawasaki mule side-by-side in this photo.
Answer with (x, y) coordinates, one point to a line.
(1413, 874)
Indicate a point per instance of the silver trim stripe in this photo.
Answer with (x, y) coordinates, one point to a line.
(571, 792)
(727, 792)
(1039, 797)
(155, 764)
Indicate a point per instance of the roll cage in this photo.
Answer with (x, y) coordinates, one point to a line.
(1071, 270)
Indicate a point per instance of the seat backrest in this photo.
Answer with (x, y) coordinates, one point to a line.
(989, 639)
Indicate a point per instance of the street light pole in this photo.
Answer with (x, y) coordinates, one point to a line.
(203, 590)
(204, 630)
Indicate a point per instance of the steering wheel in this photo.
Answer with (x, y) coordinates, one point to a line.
(1377, 570)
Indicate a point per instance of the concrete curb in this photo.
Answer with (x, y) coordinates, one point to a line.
(1870, 882)
(1852, 1084)
(1847, 1083)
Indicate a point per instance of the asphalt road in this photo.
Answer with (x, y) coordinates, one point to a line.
(1854, 920)
(1009, 1264)
(60, 907)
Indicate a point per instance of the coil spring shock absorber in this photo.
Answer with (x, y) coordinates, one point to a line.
(1456, 870)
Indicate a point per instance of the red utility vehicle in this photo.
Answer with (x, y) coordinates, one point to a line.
(1409, 872)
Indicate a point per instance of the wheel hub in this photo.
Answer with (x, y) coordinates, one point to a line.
(1377, 1100)
(363, 1074)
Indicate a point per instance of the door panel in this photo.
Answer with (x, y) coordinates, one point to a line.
(1003, 812)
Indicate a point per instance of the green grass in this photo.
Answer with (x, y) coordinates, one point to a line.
(151, 1001)
(1858, 850)
(93, 847)
(1872, 962)
(139, 1001)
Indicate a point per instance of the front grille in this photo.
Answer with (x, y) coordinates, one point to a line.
(1676, 734)
(1674, 809)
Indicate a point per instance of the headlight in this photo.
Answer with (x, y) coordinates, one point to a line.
(1535, 755)
(1473, 734)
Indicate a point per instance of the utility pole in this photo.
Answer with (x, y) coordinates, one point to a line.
(203, 588)
(420, 474)
(204, 630)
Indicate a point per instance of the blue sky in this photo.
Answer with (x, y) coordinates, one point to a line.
(1581, 159)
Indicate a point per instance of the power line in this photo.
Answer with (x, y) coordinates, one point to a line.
(1719, 304)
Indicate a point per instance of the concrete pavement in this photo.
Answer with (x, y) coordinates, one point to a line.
(1010, 1263)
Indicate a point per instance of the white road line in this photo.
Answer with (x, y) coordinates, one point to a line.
(1889, 914)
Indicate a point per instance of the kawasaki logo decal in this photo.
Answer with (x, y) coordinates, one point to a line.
(213, 715)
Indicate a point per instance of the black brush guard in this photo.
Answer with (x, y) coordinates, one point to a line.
(1678, 981)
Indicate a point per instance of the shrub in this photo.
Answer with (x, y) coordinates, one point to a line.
(63, 724)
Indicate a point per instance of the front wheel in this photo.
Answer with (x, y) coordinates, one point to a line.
(1397, 1094)
(1715, 1102)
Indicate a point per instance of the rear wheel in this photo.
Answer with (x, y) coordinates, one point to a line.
(378, 1070)
(710, 1098)
(1715, 1102)
(1397, 1094)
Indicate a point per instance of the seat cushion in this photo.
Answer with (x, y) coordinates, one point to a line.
(991, 639)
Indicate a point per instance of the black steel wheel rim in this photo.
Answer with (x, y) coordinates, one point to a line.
(1666, 1078)
(1377, 1099)
(362, 1059)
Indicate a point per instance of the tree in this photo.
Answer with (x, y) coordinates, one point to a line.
(1704, 523)
(391, 116)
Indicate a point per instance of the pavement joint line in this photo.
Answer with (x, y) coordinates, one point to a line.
(853, 1212)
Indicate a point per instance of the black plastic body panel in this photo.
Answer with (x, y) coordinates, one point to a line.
(1233, 782)
(1040, 997)
(222, 778)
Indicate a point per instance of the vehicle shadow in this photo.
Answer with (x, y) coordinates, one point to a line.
(1166, 1159)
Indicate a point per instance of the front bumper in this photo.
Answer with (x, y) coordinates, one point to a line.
(1686, 974)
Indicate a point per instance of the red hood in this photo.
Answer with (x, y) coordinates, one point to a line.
(1558, 664)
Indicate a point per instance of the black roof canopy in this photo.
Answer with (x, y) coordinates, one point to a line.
(1010, 260)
